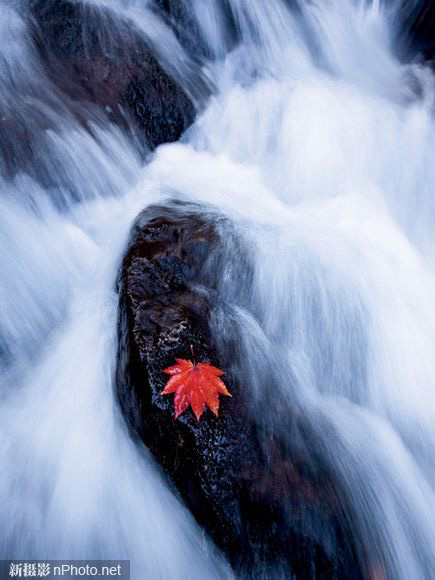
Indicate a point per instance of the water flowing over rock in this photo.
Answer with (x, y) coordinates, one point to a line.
(100, 60)
(416, 24)
(188, 18)
(256, 495)
(301, 263)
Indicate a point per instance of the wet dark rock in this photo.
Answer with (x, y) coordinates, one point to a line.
(416, 30)
(267, 507)
(96, 58)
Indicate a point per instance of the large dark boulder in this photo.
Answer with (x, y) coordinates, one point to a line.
(265, 504)
(97, 58)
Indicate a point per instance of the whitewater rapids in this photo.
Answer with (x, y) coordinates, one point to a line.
(317, 142)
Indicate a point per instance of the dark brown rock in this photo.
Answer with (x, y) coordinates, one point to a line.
(95, 57)
(268, 507)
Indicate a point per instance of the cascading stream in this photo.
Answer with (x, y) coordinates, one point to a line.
(317, 143)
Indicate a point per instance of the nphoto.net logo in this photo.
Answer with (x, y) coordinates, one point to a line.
(119, 569)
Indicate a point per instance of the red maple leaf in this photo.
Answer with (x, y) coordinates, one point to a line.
(195, 384)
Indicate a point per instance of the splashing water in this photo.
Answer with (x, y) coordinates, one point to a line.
(317, 142)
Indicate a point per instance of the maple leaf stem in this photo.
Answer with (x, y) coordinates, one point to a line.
(193, 354)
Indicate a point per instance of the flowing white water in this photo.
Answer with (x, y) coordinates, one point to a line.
(319, 145)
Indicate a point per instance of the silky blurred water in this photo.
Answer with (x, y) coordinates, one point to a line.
(318, 143)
